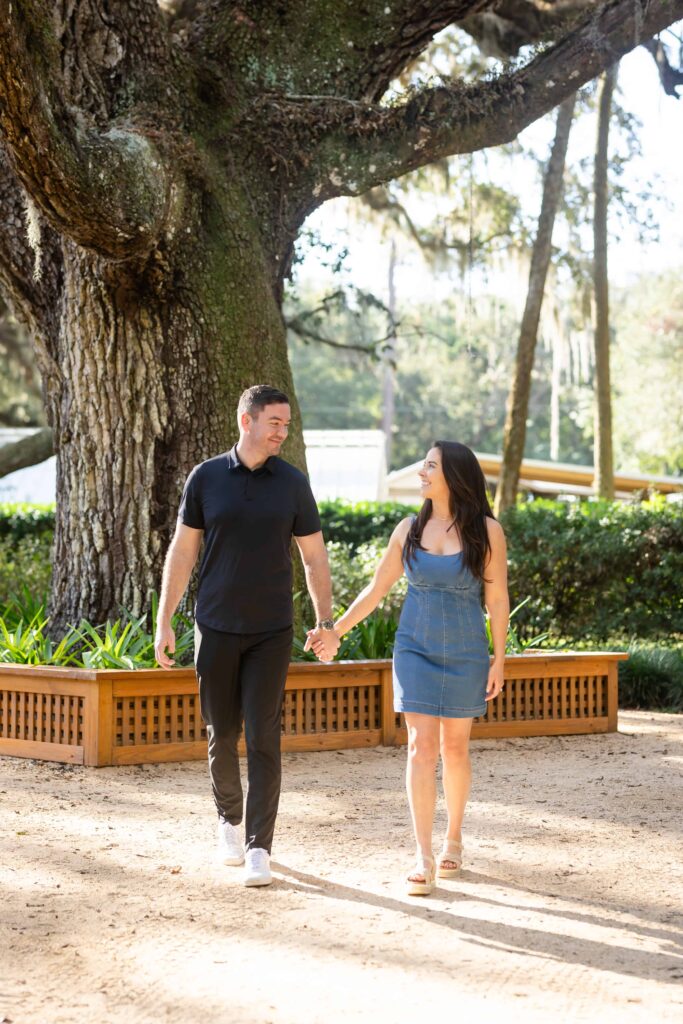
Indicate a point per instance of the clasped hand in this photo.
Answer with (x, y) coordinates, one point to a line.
(324, 642)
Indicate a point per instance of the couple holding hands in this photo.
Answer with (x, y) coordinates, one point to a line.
(246, 505)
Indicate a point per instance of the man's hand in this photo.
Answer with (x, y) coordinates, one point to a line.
(164, 641)
(324, 642)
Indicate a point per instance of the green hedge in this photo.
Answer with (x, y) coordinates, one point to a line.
(593, 571)
(598, 570)
(361, 522)
(21, 520)
(652, 678)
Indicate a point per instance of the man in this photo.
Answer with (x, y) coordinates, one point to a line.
(246, 505)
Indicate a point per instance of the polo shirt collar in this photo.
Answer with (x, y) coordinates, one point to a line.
(234, 462)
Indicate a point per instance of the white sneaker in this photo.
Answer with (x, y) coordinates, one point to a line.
(257, 869)
(230, 849)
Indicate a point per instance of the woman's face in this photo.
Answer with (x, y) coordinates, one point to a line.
(432, 481)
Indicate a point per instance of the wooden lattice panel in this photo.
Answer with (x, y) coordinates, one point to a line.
(340, 709)
(147, 720)
(556, 698)
(41, 717)
(529, 702)
(83, 716)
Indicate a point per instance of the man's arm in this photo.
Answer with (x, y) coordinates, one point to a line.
(317, 569)
(180, 561)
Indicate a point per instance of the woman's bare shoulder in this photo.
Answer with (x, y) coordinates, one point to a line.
(401, 530)
(495, 530)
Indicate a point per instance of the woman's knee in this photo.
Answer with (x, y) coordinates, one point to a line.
(455, 749)
(423, 749)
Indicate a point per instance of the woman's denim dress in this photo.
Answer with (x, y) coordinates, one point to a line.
(441, 657)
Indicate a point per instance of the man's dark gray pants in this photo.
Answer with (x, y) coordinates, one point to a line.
(242, 677)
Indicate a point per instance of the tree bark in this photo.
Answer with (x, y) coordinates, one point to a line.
(602, 442)
(388, 360)
(518, 399)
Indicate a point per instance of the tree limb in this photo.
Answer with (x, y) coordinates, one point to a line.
(359, 149)
(17, 261)
(30, 451)
(670, 77)
(291, 46)
(513, 24)
(299, 328)
(106, 188)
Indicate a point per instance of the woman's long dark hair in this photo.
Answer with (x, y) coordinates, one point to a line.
(469, 506)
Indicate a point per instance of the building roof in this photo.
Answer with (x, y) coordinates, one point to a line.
(541, 478)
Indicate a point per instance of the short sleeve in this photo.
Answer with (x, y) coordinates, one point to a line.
(190, 512)
(307, 519)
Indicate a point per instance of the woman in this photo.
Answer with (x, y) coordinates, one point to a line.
(443, 676)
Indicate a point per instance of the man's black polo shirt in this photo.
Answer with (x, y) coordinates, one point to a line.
(248, 518)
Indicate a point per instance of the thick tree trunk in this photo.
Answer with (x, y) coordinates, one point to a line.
(518, 399)
(152, 360)
(602, 443)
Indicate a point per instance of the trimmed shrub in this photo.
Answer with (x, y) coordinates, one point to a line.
(22, 520)
(26, 568)
(597, 570)
(361, 522)
(652, 678)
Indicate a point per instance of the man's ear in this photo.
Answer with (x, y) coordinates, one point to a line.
(245, 422)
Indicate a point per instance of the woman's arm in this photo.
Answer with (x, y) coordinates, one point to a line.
(388, 572)
(497, 603)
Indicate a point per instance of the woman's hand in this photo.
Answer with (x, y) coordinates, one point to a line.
(325, 643)
(496, 680)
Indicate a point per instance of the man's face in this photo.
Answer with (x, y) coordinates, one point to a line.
(267, 429)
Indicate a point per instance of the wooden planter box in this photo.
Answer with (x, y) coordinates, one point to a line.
(117, 717)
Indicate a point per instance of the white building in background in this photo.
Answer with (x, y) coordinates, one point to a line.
(544, 479)
(347, 464)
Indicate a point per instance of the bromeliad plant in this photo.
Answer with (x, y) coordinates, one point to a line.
(26, 643)
(513, 643)
(126, 643)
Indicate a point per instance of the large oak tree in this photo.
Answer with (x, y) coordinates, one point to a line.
(157, 163)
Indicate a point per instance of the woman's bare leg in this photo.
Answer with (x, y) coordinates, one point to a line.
(423, 753)
(457, 773)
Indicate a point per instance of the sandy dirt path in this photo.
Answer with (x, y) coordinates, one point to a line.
(568, 907)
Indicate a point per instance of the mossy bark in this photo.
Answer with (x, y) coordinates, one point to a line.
(146, 369)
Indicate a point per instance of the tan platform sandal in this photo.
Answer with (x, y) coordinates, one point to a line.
(452, 854)
(426, 869)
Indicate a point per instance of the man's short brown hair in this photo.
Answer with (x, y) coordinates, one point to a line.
(256, 398)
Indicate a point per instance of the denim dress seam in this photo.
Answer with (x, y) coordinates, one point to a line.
(443, 670)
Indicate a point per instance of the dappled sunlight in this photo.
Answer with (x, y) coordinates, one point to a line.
(116, 899)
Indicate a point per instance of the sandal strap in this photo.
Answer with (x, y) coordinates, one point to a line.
(451, 846)
(424, 866)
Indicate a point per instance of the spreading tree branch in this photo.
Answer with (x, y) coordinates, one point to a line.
(513, 24)
(313, 47)
(670, 77)
(363, 145)
(105, 187)
(30, 451)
